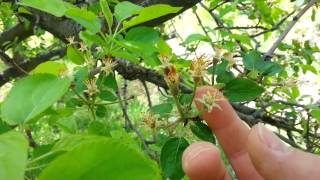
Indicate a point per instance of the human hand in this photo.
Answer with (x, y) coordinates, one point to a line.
(254, 153)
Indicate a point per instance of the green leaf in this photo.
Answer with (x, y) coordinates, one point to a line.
(111, 82)
(307, 67)
(143, 34)
(31, 96)
(150, 13)
(70, 142)
(162, 109)
(91, 39)
(195, 38)
(263, 7)
(80, 76)
(54, 7)
(220, 68)
(13, 156)
(239, 89)
(99, 128)
(86, 18)
(4, 127)
(202, 131)
(253, 61)
(163, 47)
(243, 38)
(125, 9)
(50, 67)
(264, 10)
(171, 157)
(126, 55)
(108, 96)
(104, 158)
(107, 12)
(225, 77)
(316, 114)
(75, 55)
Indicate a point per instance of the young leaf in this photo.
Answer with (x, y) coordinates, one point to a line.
(103, 158)
(150, 13)
(50, 67)
(86, 18)
(240, 89)
(35, 94)
(195, 38)
(316, 114)
(125, 9)
(143, 34)
(107, 12)
(91, 39)
(13, 158)
(243, 38)
(54, 7)
(202, 131)
(253, 61)
(108, 96)
(110, 82)
(171, 158)
(75, 55)
(126, 55)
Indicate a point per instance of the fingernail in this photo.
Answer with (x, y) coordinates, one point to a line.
(271, 140)
(193, 152)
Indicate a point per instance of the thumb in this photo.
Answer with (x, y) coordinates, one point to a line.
(274, 160)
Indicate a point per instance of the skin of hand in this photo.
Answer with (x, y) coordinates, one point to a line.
(254, 153)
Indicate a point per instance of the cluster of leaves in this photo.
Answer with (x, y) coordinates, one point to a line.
(72, 112)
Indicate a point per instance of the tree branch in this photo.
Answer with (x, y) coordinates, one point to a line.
(14, 35)
(295, 19)
(28, 65)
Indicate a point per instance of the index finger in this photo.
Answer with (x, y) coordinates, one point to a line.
(231, 132)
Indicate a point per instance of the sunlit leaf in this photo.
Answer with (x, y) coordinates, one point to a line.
(102, 158)
(35, 94)
(54, 7)
(13, 155)
(51, 67)
(86, 18)
(125, 9)
(150, 13)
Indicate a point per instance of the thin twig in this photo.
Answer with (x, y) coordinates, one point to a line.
(295, 19)
(132, 127)
(32, 142)
(147, 93)
(277, 26)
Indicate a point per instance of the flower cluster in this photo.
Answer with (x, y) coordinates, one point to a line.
(172, 78)
(210, 99)
(150, 120)
(198, 68)
(165, 59)
(71, 40)
(108, 65)
(92, 88)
